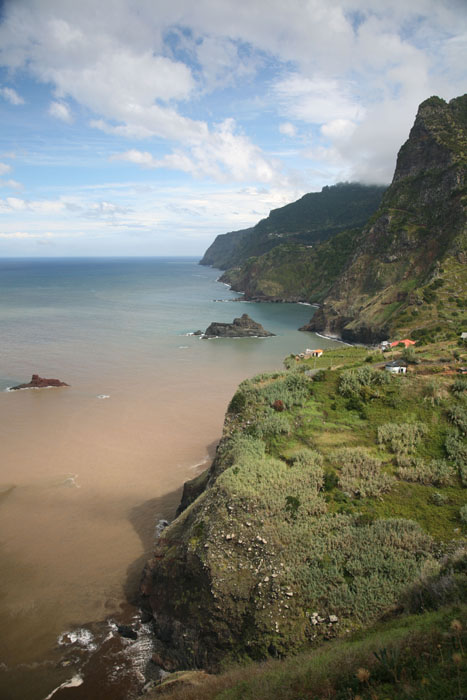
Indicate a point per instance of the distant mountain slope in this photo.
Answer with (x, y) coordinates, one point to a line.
(408, 270)
(314, 218)
(404, 270)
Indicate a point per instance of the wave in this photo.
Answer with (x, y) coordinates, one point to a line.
(332, 337)
(71, 481)
(81, 636)
(103, 396)
(202, 463)
(74, 682)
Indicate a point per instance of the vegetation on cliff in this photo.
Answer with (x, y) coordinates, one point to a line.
(409, 267)
(413, 656)
(403, 269)
(312, 219)
(330, 497)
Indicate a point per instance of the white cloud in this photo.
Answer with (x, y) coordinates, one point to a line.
(4, 168)
(316, 100)
(221, 63)
(288, 129)
(22, 235)
(61, 111)
(12, 184)
(338, 129)
(10, 95)
(220, 154)
(143, 158)
(352, 71)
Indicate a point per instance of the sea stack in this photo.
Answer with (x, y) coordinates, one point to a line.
(243, 327)
(38, 382)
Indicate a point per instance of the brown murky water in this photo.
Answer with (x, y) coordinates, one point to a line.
(87, 471)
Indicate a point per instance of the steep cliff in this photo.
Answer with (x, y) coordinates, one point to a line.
(403, 270)
(408, 270)
(314, 517)
(314, 218)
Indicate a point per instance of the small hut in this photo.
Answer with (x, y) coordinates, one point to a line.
(396, 367)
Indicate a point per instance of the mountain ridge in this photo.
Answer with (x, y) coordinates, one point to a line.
(403, 269)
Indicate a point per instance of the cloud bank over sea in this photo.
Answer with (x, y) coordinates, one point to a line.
(150, 128)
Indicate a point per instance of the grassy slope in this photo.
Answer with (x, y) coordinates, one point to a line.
(315, 217)
(420, 656)
(273, 547)
(293, 270)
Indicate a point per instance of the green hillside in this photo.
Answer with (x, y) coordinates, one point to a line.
(401, 271)
(314, 218)
(329, 497)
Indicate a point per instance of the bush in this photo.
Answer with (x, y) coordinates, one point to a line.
(459, 386)
(292, 504)
(458, 416)
(401, 437)
(310, 461)
(438, 472)
(436, 588)
(410, 357)
(360, 473)
(439, 499)
(353, 381)
(241, 447)
(269, 425)
(463, 514)
(293, 389)
(456, 449)
(434, 392)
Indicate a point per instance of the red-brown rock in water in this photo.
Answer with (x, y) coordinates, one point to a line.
(39, 383)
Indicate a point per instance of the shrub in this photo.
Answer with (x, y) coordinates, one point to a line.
(458, 416)
(456, 449)
(438, 472)
(434, 392)
(439, 499)
(310, 461)
(410, 357)
(459, 385)
(241, 447)
(360, 473)
(292, 504)
(269, 425)
(293, 389)
(436, 588)
(401, 437)
(463, 514)
(245, 394)
(352, 381)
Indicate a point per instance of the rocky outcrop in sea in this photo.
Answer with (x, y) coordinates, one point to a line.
(243, 327)
(38, 382)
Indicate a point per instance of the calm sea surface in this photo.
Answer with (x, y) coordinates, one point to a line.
(87, 471)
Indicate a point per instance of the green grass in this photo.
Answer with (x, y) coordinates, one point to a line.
(275, 537)
(419, 656)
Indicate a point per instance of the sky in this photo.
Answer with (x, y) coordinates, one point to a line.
(147, 127)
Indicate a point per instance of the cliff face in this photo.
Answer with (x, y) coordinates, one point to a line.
(402, 270)
(280, 545)
(222, 252)
(416, 242)
(314, 218)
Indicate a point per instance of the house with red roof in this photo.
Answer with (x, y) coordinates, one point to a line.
(406, 342)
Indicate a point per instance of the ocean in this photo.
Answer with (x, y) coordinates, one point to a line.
(88, 470)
